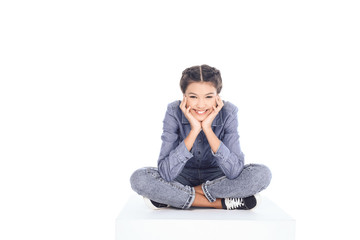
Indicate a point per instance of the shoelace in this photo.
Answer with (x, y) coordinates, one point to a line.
(234, 203)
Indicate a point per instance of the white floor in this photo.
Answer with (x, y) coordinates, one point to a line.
(267, 221)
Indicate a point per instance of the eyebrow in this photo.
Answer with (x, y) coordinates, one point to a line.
(196, 94)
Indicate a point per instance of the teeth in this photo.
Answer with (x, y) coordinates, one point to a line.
(200, 112)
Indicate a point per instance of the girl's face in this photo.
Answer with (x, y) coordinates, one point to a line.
(201, 97)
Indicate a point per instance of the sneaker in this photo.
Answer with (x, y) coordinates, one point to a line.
(240, 203)
(154, 205)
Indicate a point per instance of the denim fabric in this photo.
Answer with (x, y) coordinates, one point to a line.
(147, 182)
(181, 194)
(174, 156)
(253, 179)
(194, 177)
(221, 175)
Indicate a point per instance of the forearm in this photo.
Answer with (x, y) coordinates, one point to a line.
(190, 139)
(213, 140)
(170, 164)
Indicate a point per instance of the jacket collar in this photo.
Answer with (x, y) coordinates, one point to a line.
(218, 121)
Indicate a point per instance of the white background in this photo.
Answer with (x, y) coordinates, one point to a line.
(85, 85)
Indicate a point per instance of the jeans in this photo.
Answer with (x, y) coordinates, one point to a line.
(180, 193)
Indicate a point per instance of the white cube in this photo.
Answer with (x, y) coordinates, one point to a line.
(266, 221)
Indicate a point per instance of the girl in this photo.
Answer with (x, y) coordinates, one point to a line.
(201, 163)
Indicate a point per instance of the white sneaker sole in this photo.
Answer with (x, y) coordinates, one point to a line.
(149, 204)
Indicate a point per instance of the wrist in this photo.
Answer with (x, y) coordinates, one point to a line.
(196, 130)
(207, 129)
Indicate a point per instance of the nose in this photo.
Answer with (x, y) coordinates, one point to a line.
(200, 104)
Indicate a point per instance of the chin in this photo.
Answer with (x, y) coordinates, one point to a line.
(201, 118)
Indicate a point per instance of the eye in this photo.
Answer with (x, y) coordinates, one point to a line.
(192, 97)
(209, 97)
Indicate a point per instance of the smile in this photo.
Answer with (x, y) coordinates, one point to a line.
(201, 112)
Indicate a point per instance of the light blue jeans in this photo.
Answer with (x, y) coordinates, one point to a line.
(181, 193)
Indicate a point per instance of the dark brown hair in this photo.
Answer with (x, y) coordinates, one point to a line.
(203, 73)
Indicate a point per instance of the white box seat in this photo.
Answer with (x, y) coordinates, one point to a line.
(266, 221)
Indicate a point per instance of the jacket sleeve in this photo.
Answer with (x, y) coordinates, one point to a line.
(173, 154)
(229, 156)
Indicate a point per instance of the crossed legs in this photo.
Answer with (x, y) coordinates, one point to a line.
(202, 201)
(148, 183)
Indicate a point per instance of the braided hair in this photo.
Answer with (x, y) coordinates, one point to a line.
(202, 73)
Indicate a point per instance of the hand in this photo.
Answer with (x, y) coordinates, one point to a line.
(194, 123)
(206, 124)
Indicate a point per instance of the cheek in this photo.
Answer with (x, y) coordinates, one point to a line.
(190, 103)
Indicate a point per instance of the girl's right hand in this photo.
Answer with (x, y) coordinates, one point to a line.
(194, 123)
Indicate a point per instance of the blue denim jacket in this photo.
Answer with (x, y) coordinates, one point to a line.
(174, 155)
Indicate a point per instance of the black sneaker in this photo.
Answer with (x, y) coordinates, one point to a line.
(240, 203)
(154, 205)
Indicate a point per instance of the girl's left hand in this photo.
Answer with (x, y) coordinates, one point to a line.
(206, 123)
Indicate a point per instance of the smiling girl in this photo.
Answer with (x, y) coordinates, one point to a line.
(200, 162)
